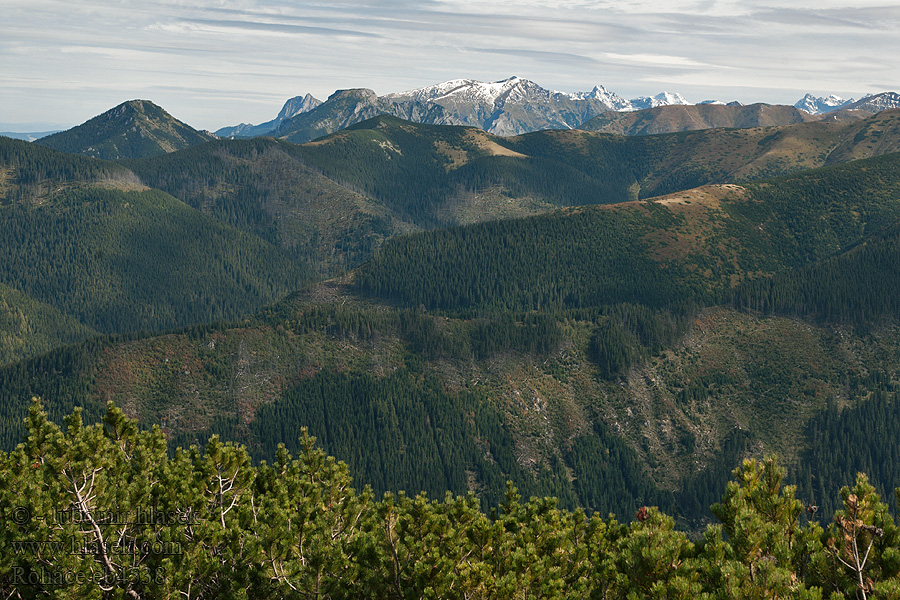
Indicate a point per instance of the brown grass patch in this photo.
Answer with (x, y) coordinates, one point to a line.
(481, 139)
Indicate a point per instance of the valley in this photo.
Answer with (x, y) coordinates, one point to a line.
(612, 320)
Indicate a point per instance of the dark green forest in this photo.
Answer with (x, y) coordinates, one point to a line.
(85, 237)
(594, 256)
(138, 261)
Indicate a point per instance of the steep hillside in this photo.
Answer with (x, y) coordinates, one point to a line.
(131, 130)
(265, 187)
(88, 239)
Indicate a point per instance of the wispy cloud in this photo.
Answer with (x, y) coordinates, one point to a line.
(228, 26)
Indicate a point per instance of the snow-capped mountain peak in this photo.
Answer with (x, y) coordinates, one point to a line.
(607, 98)
(661, 99)
(470, 90)
(877, 102)
(819, 105)
(516, 90)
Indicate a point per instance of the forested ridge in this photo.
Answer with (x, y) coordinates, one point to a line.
(265, 187)
(592, 255)
(125, 261)
(88, 239)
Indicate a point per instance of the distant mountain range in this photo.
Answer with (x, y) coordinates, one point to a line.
(28, 136)
(508, 107)
(513, 106)
(872, 103)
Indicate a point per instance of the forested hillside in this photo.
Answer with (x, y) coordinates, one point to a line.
(688, 246)
(131, 130)
(87, 238)
(29, 327)
(266, 188)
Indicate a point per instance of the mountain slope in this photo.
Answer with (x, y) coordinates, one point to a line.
(566, 354)
(131, 130)
(87, 238)
(266, 188)
(669, 119)
(694, 244)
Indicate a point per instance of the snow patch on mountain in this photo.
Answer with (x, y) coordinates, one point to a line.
(877, 102)
(607, 98)
(661, 99)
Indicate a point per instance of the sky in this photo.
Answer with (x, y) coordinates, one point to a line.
(213, 63)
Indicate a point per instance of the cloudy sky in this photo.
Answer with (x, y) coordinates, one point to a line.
(213, 63)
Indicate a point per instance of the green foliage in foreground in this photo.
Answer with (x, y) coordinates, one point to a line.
(103, 512)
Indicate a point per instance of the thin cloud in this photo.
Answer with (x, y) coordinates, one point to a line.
(254, 26)
(558, 58)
